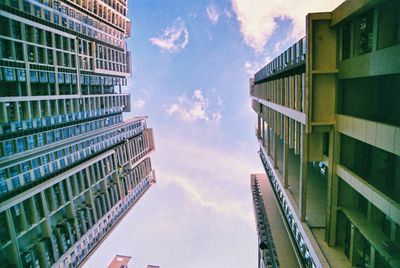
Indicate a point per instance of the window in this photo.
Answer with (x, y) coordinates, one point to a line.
(9, 74)
(56, 19)
(34, 76)
(27, 6)
(38, 11)
(30, 142)
(8, 147)
(366, 32)
(21, 75)
(3, 183)
(20, 145)
(346, 38)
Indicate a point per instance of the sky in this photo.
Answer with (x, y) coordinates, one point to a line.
(192, 61)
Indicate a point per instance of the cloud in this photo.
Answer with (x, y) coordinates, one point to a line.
(212, 14)
(227, 13)
(174, 38)
(258, 18)
(197, 108)
(139, 104)
(251, 67)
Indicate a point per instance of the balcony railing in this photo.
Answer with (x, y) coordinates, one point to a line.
(289, 59)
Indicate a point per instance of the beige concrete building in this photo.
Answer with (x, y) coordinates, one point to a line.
(70, 166)
(329, 131)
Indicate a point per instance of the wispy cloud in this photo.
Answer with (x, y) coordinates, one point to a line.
(174, 38)
(138, 104)
(227, 207)
(194, 109)
(212, 13)
(258, 18)
(251, 67)
(227, 13)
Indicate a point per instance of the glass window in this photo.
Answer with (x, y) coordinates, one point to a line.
(9, 74)
(27, 6)
(30, 142)
(60, 78)
(49, 137)
(366, 32)
(37, 173)
(43, 77)
(3, 183)
(15, 182)
(34, 76)
(51, 78)
(40, 139)
(47, 15)
(56, 19)
(20, 145)
(38, 11)
(8, 148)
(346, 37)
(21, 75)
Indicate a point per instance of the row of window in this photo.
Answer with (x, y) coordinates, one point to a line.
(26, 143)
(13, 177)
(12, 75)
(357, 34)
(73, 20)
(25, 115)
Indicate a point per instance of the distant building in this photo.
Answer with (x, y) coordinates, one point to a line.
(152, 266)
(329, 132)
(70, 166)
(274, 244)
(120, 261)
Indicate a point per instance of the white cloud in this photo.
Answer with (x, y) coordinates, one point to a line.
(174, 38)
(258, 18)
(212, 14)
(251, 67)
(197, 108)
(227, 13)
(139, 104)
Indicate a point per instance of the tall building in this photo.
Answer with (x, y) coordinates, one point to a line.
(70, 166)
(329, 133)
(120, 261)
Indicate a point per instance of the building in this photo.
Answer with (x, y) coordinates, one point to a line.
(70, 166)
(120, 261)
(329, 133)
(274, 243)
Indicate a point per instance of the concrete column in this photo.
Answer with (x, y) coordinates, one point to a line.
(285, 152)
(372, 258)
(263, 132)
(352, 236)
(303, 174)
(332, 191)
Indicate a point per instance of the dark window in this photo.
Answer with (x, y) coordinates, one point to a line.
(346, 38)
(366, 32)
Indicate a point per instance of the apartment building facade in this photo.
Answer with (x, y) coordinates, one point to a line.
(329, 132)
(70, 166)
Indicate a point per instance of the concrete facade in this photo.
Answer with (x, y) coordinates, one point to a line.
(70, 166)
(328, 125)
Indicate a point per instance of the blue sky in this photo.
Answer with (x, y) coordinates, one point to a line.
(192, 61)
